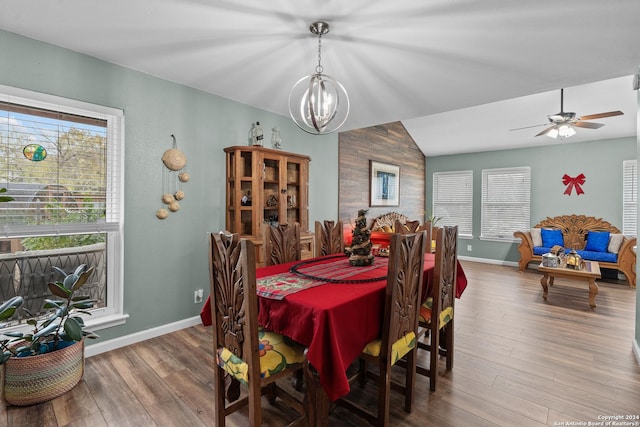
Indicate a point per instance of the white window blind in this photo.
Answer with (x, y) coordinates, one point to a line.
(61, 164)
(630, 197)
(506, 200)
(453, 200)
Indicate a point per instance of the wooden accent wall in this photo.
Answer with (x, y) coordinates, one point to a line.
(389, 143)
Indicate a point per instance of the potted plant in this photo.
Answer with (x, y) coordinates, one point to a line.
(49, 361)
(432, 220)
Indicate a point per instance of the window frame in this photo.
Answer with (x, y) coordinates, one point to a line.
(112, 313)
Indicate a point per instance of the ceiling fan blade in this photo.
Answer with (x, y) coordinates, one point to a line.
(547, 130)
(588, 125)
(529, 127)
(601, 115)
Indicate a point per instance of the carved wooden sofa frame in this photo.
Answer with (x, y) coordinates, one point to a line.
(574, 231)
(387, 222)
(383, 226)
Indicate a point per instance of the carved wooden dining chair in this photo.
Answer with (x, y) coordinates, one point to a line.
(329, 238)
(426, 227)
(436, 313)
(282, 243)
(248, 354)
(399, 328)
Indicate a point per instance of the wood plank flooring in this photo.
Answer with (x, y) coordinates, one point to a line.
(519, 361)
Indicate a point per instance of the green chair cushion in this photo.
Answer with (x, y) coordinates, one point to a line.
(276, 354)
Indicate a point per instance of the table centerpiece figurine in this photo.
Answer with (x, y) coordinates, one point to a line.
(49, 361)
(360, 251)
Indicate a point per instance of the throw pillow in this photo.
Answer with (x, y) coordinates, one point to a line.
(615, 241)
(536, 237)
(551, 237)
(597, 241)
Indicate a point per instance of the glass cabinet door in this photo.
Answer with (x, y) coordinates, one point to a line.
(293, 195)
(241, 192)
(271, 189)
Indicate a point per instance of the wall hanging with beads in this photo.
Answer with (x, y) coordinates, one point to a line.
(174, 174)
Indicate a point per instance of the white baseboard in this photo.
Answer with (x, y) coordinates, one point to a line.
(489, 261)
(636, 351)
(102, 347)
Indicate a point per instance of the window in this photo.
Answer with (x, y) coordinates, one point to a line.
(506, 195)
(453, 200)
(61, 161)
(630, 197)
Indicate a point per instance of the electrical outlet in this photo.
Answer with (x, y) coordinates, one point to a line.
(468, 248)
(197, 296)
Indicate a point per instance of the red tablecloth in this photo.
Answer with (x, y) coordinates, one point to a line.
(335, 320)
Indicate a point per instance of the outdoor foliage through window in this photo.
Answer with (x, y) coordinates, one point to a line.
(65, 181)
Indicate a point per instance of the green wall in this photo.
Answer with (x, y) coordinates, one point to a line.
(165, 261)
(599, 161)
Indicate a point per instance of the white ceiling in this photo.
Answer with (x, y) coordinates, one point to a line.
(458, 73)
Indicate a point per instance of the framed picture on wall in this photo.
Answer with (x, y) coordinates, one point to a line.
(384, 184)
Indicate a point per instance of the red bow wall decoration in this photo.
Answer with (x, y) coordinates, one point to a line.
(572, 183)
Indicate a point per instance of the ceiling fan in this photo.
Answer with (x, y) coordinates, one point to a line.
(562, 123)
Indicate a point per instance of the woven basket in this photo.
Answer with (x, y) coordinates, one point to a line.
(36, 379)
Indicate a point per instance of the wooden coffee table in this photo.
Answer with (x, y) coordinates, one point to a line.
(590, 273)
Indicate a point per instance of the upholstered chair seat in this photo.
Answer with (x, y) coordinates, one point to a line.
(277, 353)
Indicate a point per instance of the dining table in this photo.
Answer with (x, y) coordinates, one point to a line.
(332, 308)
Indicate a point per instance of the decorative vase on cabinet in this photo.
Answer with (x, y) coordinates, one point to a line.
(277, 183)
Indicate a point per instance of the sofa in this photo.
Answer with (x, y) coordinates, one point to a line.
(592, 238)
(381, 228)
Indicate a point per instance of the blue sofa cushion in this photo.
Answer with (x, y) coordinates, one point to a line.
(540, 250)
(598, 256)
(587, 255)
(597, 241)
(552, 237)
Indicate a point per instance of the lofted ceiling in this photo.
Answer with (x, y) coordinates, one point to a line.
(459, 74)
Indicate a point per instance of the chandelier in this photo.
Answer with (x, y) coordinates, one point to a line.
(318, 103)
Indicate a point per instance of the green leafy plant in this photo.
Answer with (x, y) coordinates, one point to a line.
(86, 214)
(5, 198)
(433, 219)
(59, 326)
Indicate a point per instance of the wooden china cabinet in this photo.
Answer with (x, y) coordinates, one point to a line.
(266, 186)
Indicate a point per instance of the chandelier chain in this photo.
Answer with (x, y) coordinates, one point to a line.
(319, 68)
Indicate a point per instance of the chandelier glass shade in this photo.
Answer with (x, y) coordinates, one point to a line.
(318, 103)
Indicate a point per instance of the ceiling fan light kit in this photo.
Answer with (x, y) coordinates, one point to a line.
(562, 131)
(318, 103)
